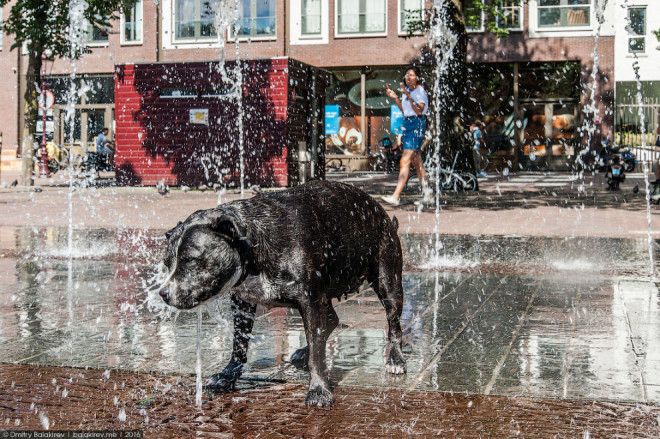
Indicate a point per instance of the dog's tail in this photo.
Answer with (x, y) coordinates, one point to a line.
(395, 223)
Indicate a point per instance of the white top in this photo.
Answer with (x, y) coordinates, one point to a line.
(419, 95)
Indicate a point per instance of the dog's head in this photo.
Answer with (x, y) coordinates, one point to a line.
(205, 257)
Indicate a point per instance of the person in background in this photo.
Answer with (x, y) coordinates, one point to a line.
(477, 141)
(414, 104)
(102, 143)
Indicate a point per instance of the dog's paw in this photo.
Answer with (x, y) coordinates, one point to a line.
(396, 365)
(396, 369)
(319, 396)
(299, 358)
(225, 380)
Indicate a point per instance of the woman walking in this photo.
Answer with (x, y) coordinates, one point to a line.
(414, 104)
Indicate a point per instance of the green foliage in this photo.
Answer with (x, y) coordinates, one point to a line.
(42, 26)
(472, 12)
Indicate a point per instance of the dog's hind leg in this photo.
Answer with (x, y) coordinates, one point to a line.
(243, 313)
(387, 283)
(320, 319)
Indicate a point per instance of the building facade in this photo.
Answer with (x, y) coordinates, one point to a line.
(543, 65)
(637, 51)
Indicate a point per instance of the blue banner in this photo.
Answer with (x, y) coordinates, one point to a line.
(396, 120)
(331, 119)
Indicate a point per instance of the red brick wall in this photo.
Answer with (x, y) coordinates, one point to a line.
(155, 141)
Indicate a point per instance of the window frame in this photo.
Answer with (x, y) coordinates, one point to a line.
(122, 23)
(540, 28)
(232, 36)
(521, 8)
(399, 14)
(96, 43)
(481, 28)
(315, 36)
(194, 39)
(631, 36)
(339, 34)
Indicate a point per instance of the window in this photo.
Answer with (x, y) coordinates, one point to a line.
(310, 18)
(257, 18)
(194, 19)
(131, 24)
(636, 29)
(564, 13)
(410, 12)
(474, 15)
(361, 16)
(96, 34)
(509, 14)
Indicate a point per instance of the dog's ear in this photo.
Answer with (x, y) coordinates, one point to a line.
(168, 234)
(229, 225)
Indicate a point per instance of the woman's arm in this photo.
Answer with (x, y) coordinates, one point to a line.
(418, 107)
(392, 95)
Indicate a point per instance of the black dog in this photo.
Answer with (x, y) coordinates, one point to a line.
(298, 248)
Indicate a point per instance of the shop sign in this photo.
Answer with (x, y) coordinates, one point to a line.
(199, 116)
(396, 120)
(331, 119)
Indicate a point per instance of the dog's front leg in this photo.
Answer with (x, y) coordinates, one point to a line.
(320, 320)
(243, 313)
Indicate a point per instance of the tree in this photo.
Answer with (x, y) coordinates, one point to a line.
(42, 30)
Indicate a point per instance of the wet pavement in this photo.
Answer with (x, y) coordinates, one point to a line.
(573, 318)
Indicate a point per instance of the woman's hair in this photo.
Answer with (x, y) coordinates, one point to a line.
(417, 72)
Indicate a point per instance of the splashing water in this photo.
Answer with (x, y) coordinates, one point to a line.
(591, 109)
(442, 41)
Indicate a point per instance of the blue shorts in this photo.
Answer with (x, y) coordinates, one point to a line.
(413, 130)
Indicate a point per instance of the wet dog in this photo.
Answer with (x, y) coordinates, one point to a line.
(297, 248)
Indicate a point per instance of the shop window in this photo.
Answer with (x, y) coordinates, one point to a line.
(410, 13)
(564, 13)
(257, 19)
(509, 14)
(636, 30)
(131, 24)
(194, 19)
(361, 17)
(310, 20)
(474, 15)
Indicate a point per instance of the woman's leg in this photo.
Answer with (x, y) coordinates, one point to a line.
(404, 172)
(419, 168)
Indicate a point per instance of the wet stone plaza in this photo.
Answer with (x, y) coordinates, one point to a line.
(574, 318)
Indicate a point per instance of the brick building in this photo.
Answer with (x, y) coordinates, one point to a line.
(536, 103)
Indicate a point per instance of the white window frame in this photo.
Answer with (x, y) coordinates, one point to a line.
(522, 15)
(273, 37)
(635, 36)
(359, 34)
(311, 36)
(187, 40)
(540, 28)
(400, 10)
(95, 43)
(481, 28)
(295, 18)
(122, 22)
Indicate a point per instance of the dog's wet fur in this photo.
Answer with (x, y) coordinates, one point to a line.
(297, 248)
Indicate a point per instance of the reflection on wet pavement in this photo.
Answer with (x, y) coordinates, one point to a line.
(568, 318)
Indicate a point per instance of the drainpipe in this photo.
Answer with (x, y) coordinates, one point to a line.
(285, 23)
(158, 14)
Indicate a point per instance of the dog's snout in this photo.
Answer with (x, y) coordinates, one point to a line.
(163, 294)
